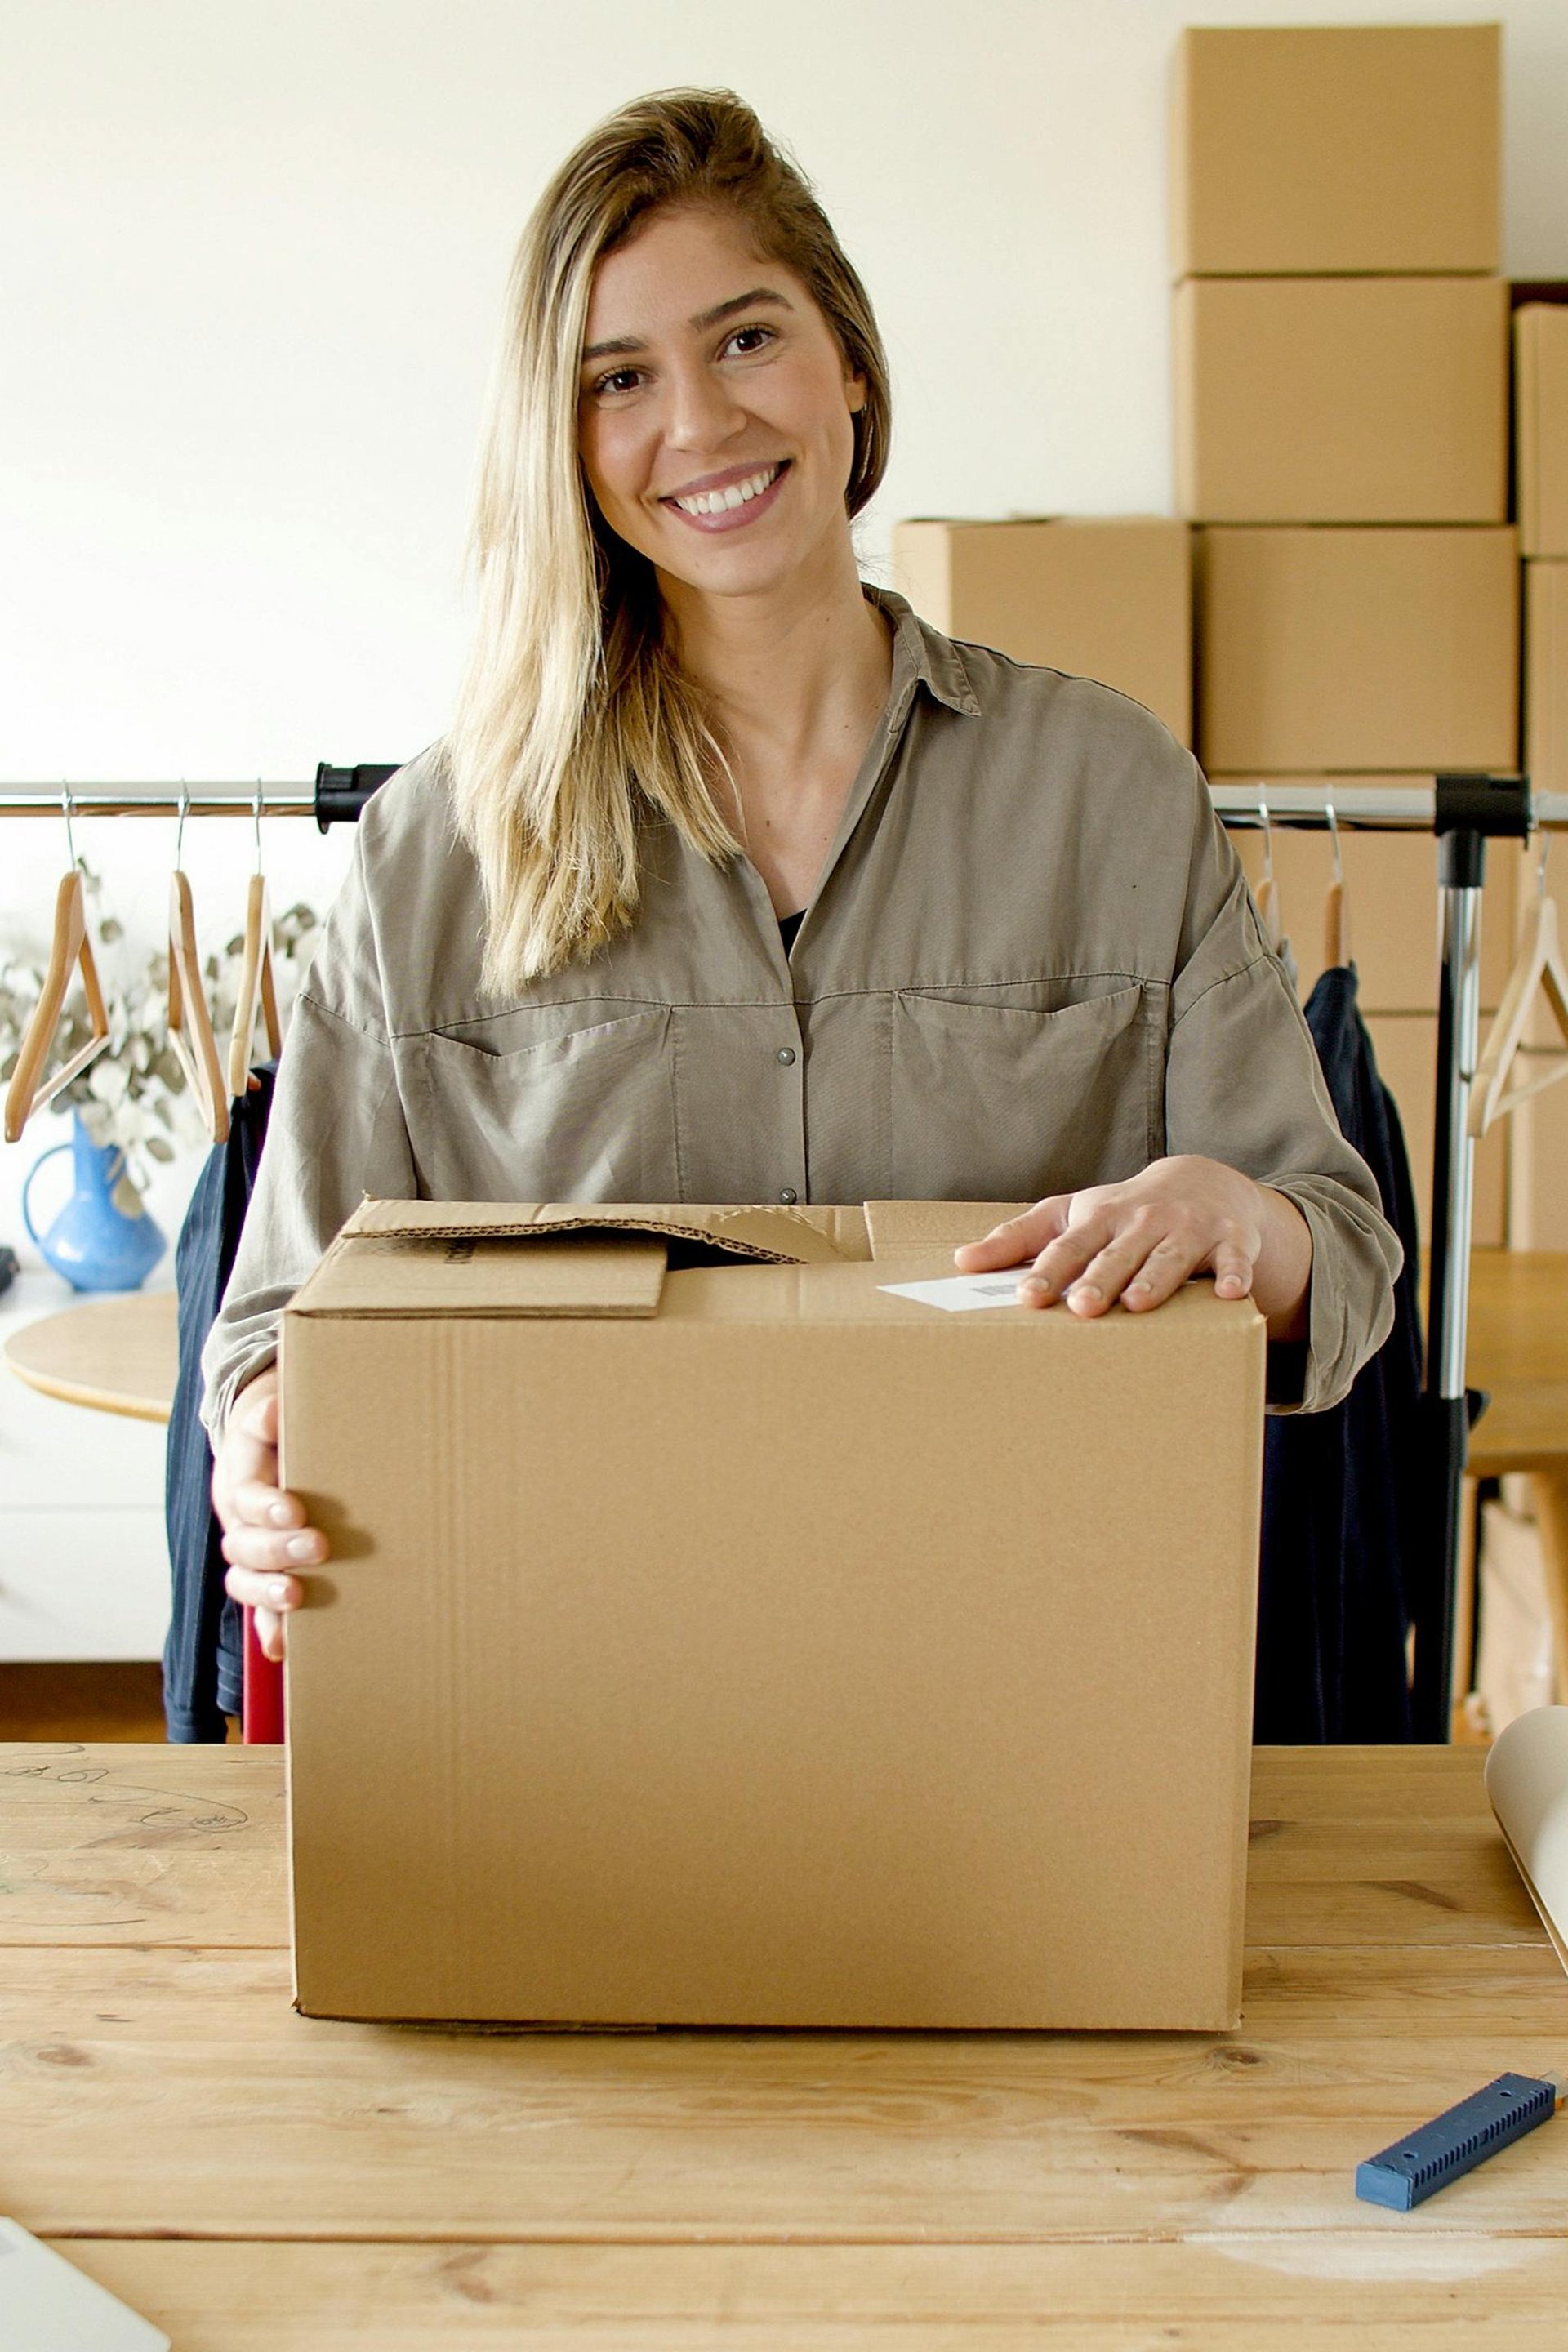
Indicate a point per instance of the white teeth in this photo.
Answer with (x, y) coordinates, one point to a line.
(724, 501)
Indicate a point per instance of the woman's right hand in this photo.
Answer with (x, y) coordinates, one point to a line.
(264, 1532)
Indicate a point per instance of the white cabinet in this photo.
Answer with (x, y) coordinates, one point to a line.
(84, 1559)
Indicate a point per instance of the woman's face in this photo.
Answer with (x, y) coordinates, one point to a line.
(714, 408)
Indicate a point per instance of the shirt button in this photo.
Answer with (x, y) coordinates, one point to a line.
(789, 1196)
(786, 1055)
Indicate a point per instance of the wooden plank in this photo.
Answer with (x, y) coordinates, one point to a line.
(161, 2091)
(116, 1844)
(123, 1843)
(1412, 2284)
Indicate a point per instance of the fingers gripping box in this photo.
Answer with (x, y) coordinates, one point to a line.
(714, 1635)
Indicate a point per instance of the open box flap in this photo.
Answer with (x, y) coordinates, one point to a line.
(377, 1274)
(461, 1257)
(776, 1236)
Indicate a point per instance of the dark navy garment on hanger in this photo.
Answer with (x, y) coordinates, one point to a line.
(1342, 1500)
(202, 1656)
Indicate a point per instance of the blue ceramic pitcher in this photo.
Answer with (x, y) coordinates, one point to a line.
(93, 1242)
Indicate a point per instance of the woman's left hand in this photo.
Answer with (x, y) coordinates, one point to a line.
(1140, 1240)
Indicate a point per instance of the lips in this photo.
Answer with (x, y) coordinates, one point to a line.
(729, 501)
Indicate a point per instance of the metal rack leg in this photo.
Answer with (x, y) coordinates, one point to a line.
(1462, 871)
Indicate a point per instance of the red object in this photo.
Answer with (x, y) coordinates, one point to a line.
(261, 1722)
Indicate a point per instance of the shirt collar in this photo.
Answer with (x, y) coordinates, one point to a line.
(923, 657)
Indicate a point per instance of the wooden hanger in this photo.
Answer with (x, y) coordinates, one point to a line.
(256, 982)
(190, 1023)
(1539, 965)
(1269, 889)
(69, 947)
(1336, 933)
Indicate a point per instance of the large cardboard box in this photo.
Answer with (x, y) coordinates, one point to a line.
(1360, 148)
(713, 1637)
(1515, 1669)
(1109, 598)
(1538, 1154)
(1390, 904)
(1546, 677)
(1405, 1045)
(1342, 399)
(1359, 651)
(1538, 1130)
(1540, 427)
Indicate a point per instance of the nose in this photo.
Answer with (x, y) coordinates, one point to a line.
(702, 412)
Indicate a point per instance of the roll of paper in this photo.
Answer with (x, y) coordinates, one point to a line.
(1527, 1780)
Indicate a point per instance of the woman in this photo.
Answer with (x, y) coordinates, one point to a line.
(734, 881)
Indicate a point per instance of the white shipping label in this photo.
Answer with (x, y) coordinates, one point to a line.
(958, 1293)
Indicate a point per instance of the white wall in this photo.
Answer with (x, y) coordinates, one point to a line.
(252, 257)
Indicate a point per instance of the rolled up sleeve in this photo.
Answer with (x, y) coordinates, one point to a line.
(1244, 1086)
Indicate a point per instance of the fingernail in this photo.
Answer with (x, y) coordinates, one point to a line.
(278, 1592)
(1035, 1286)
(279, 1514)
(300, 1548)
(1084, 1290)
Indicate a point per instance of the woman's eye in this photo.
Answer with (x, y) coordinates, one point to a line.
(746, 339)
(618, 380)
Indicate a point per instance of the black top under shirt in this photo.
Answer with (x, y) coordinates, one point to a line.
(789, 925)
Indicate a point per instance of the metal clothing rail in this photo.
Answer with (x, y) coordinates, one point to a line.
(336, 797)
(1463, 811)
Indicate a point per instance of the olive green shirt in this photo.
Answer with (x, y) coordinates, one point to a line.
(1031, 964)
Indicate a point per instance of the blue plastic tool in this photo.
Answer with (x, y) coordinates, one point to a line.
(1427, 2158)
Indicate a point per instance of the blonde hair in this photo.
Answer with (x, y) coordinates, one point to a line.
(573, 720)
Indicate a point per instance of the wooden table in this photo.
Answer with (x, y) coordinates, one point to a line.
(120, 1354)
(255, 2181)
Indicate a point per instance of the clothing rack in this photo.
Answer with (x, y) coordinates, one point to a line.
(1463, 812)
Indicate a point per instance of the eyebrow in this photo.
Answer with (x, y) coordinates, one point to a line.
(624, 345)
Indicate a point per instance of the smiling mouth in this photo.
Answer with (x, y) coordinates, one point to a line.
(733, 495)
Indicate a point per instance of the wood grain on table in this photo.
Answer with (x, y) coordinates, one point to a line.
(118, 1354)
(250, 2178)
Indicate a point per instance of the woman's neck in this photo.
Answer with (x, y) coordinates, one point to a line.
(794, 680)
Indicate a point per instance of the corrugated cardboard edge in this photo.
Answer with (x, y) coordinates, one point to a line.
(774, 1236)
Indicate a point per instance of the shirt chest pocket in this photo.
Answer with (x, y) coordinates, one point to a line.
(997, 1102)
(586, 1115)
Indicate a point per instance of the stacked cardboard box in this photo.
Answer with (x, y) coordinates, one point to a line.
(1108, 599)
(1341, 345)
(1539, 1153)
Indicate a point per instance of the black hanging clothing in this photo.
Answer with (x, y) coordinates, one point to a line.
(1343, 1507)
(203, 1659)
